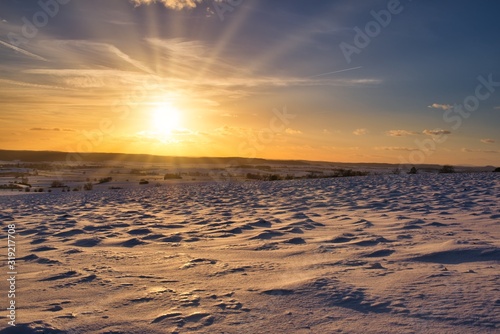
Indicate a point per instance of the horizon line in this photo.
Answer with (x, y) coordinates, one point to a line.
(236, 157)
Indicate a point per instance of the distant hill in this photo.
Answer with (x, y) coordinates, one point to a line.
(56, 156)
(51, 156)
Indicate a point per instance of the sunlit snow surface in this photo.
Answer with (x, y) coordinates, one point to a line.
(378, 254)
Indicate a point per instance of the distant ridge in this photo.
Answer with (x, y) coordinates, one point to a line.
(51, 156)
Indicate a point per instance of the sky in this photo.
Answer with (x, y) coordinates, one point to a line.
(410, 81)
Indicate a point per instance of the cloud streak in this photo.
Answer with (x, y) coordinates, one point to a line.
(293, 131)
(440, 106)
(394, 148)
(488, 141)
(401, 133)
(22, 51)
(173, 4)
(29, 85)
(52, 129)
(467, 150)
(436, 132)
(335, 72)
(360, 132)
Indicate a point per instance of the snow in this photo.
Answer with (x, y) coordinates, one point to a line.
(375, 254)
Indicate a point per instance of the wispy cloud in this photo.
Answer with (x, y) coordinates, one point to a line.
(87, 65)
(468, 150)
(28, 84)
(22, 51)
(394, 148)
(436, 132)
(229, 115)
(114, 51)
(488, 141)
(401, 133)
(89, 78)
(293, 132)
(52, 129)
(337, 148)
(360, 132)
(336, 72)
(440, 106)
(174, 4)
(226, 131)
(95, 51)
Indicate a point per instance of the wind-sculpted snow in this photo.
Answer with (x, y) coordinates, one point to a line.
(379, 254)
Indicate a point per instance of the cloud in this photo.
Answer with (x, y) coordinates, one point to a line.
(440, 106)
(401, 133)
(394, 148)
(96, 52)
(22, 51)
(497, 108)
(52, 129)
(229, 115)
(436, 132)
(91, 78)
(88, 65)
(360, 132)
(114, 51)
(488, 141)
(31, 85)
(293, 132)
(173, 4)
(337, 148)
(229, 131)
(45, 129)
(467, 150)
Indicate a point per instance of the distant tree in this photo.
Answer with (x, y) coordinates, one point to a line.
(497, 170)
(88, 186)
(447, 169)
(251, 176)
(413, 170)
(105, 180)
(170, 176)
(143, 181)
(274, 177)
(57, 184)
(396, 171)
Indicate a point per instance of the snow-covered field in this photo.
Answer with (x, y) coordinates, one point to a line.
(376, 254)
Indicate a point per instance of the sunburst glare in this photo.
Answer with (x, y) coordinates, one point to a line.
(165, 119)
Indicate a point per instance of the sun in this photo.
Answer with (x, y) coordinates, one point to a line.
(165, 119)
